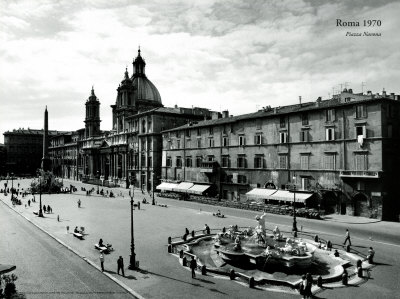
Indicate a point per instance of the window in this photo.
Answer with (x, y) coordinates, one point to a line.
(282, 137)
(211, 142)
(329, 162)
(188, 143)
(360, 161)
(210, 130)
(149, 162)
(330, 134)
(178, 161)
(187, 133)
(178, 144)
(361, 131)
(210, 158)
(198, 131)
(150, 144)
(169, 162)
(361, 111)
(242, 140)
(305, 183)
(258, 161)
(304, 119)
(304, 161)
(258, 124)
(225, 141)
(241, 161)
(198, 161)
(258, 139)
(149, 126)
(241, 179)
(178, 134)
(283, 161)
(225, 161)
(390, 131)
(143, 161)
(188, 162)
(330, 115)
(304, 136)
(282, 122)
(198, 142)
(143, 126)
(169, 145)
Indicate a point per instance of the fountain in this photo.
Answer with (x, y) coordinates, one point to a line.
(262, 249)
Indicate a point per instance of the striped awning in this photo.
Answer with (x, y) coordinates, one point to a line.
(166, 186)
(198, 189)
(183, 187)
(287, 196)
(260, 193)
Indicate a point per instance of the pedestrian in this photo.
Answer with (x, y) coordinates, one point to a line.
(120, 263)
(67, 229)
(309, 283)
(370, 257)
(58, 218)
(138, 205)
(302, 286)
(44, 208)
(102, 261)
(79, 203)
(29, 202)
(48, 209)
(347, 237)
(336, 253)
(207, 229)
(193, 266)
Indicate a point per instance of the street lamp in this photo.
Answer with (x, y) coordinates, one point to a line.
(12, 185)
(294, 229)
(40, 197)
(132, 261)
(153, 202)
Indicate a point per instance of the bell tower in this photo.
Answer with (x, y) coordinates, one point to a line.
(92, 119)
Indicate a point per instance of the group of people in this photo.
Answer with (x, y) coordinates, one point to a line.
(120, 264)
(47, 209)
(306, 285)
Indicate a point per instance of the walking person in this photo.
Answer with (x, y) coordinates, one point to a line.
(347, 237)
(102, 261)
(44, 208)
(29, 202)
(309, 283)
(79, 203)
(193, 266)
(120, 263)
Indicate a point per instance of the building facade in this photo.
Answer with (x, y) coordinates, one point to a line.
(131, 151)
(344, 149)
(24, 150)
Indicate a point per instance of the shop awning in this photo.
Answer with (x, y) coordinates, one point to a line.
(198, 189)
(183, 187)
(6, 268)
(166, 186)
(260, 193)
(285, 195)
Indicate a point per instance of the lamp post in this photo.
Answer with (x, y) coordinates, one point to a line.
(294, 229)
(40, 197)
(153, 202)
(132, 261)
(12, 185)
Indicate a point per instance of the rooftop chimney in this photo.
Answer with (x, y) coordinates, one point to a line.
(300, 100)
(225, 114)
(350, 90)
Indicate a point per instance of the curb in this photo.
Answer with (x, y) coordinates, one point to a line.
(120, 283)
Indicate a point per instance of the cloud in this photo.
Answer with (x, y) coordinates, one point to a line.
(223, 54)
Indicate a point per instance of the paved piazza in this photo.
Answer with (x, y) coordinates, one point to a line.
(161, 275)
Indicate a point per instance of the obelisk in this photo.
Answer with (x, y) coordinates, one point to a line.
(46, 163)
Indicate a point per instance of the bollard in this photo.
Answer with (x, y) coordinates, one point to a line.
(203, 270)
(169, 240)
(345, 278)
(192, 233)
(359, 271)
(232, 274)
(319, 281)
(223, 230)
(316, 239)
(251, 282)
(348, 248)
(184, 261)
(181, 253)
(169, 248)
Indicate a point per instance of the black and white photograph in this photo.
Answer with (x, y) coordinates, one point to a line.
(199, 149)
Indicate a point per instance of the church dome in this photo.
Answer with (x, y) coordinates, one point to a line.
(144, 89)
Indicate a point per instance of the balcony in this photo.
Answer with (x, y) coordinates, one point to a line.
(208, 167)
(359, 174)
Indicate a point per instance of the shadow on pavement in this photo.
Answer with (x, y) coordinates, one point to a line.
(111, 272)
(204, 280)
(160, 275)
(130, 277)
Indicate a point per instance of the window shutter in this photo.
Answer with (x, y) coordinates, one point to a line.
(326, 134)
(255, 162)
(237, 163)
(255, 139)
(333, 134)
(301, 136)
(364, 129)
(264, 163)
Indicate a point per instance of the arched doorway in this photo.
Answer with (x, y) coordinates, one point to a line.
(329, 202)
(360, 201)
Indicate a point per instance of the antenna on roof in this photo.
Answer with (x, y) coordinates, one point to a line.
(362, 86)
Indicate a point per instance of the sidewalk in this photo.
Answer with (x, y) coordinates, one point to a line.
(349, 219)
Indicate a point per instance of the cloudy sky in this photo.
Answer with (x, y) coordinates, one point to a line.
(236, 55)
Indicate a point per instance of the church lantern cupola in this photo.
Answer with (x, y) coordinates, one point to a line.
(139, 66)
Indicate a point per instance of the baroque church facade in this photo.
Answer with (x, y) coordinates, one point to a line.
(132, 151)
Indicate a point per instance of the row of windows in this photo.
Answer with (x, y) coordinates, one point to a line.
(259, 139)
(329, 161)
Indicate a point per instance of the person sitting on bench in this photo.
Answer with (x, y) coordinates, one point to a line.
(76, 230)
(101, 243)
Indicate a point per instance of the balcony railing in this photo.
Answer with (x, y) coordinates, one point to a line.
(208, 166)
(359, 174)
